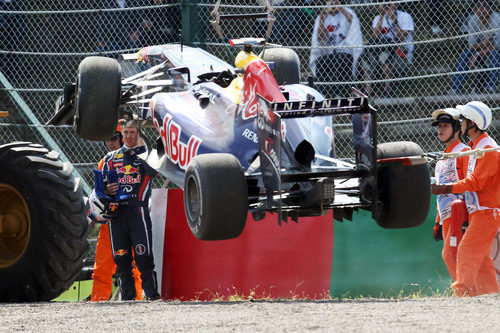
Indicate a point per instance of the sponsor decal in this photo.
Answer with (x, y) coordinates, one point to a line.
(128, 170)
(113, 206)
(127, 188)
(120, 252)
(250, 135)
(140, 249)
(269, 130)
(272, 154)
(250, 106)
(270, 117)
(325, 107)
(118, 156)
(178, 152)
(283, 131)
(130, 174)
(262, 125)
(117, 164)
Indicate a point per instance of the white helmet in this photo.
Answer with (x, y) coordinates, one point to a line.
(478, 112)
(97, 209)
(453, 113)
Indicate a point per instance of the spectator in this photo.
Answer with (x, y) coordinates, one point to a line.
(391, 26)
(118, 29)
(162, 25)
(104, 266)
(483, 48)
(130, 228)
(435, 10)
(338, 29)
(12, 31)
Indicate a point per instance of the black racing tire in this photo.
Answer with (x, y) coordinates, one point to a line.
(286, 65)
(97, 101)
(215, 197)
(43, 248)
(404, 190)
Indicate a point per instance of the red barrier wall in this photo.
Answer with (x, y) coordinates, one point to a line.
(291, 261)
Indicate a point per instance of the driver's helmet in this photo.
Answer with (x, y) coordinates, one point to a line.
(97, 209)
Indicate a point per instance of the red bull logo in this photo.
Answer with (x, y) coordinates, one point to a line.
(120, 252)
(113, 206)
(177, 151)
(128, 170)
(258, 80)
(130, 174)
(250, 105)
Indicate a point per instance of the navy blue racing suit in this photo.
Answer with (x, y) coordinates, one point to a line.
(130, 228)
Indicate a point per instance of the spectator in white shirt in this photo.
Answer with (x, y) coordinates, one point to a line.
(391, 26)
(336, 44)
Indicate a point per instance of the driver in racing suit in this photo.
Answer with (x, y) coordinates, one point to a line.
(104, 265)
(130, 227)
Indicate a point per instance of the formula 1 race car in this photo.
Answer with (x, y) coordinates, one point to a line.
(249, 138)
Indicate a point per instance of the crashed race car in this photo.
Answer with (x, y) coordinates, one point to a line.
(248, 138)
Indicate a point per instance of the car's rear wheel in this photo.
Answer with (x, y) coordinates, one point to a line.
(286, 65)
(215, 197)
(43, 225)
(403, 190)
(97, 102)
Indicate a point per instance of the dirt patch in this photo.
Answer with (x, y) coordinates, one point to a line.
(365, 315)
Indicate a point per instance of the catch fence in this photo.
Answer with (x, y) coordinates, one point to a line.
(43, 43)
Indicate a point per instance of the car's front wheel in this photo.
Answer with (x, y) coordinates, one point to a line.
(97, 102)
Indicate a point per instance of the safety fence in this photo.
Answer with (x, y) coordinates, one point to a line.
(409, 67)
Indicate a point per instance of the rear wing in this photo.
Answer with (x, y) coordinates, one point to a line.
(327, 107)
(270, 139)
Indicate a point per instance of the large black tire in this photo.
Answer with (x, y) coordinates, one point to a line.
(404, 190)
(97, 101)
(215, 197)
(286, 65)
(45, 242)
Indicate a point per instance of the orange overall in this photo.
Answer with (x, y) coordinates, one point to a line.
(104, 266)
(475, 271)
(459, 171)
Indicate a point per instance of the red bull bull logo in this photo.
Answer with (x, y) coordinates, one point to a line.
(250, 104)
(113, 206)
(177, 151)
(258, 80)
(130, 174)
(128, 170)
(120, 252)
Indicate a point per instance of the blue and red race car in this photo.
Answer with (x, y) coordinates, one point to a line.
(248, 138)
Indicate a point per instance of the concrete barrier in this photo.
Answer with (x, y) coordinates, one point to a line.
(267, 261)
